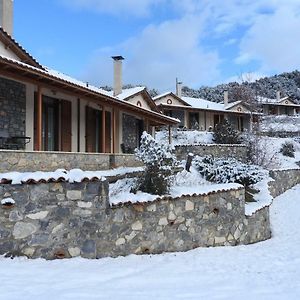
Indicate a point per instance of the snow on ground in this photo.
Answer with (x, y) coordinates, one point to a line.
(268, 270)
(273, 145)
(280, 124)
(185, 137)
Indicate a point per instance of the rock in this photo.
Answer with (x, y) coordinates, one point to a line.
(29, 252)
(89, 247)
(39, 191)
(38, 216)
(131, 236)
(137, 226)
(119, 216)
(15, 216)
(82, 212)
(172, 216)
(74, 195)
(229, 206)
(179, 220)
(22, 230)
(237, 234)
(163, 221)
(74, 251)
(60, 197)
(151, 208)
(120, 241)
(85, 204)
(58, 228)
(220, 240)
(189, 205)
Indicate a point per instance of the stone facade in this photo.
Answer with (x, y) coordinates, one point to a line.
(12, 104)
(236, 151)
(20, 161)
(283, 181)
(59, 220)
(130, 133)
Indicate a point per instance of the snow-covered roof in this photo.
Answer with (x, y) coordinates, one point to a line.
(200, 103)
(265, 100)
(127, 93)
(162, 95)
(65, 78)
(232, 104)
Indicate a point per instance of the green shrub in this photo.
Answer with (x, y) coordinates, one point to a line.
(224, 133)
(159, 161)
(227, 170)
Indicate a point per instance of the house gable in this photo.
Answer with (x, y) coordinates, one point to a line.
(286, 101)
(239, 108)
(170, 99)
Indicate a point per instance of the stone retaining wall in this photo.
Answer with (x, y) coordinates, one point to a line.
(58, 220)
(283, 181)
(21, 161)
(236, 151)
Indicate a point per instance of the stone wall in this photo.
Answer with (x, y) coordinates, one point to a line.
(283, 181)
(130, 133)
(258, 226)
(58, 220)
(20, 161)
(237, 151)
(12, 107)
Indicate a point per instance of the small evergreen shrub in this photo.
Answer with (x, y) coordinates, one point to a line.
(159, 161)
(224, 133)
(287, 149)
(228, 170)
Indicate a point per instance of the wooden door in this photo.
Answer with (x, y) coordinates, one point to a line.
(90, 129)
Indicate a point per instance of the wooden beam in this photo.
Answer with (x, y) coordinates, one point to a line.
(39, 119)
(103, 129)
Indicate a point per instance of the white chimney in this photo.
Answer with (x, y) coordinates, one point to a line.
(6, 15)
(178, 88)
(117, 74)
(278, 96)
(225, 98)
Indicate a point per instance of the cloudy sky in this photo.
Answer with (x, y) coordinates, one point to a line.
(202, 42)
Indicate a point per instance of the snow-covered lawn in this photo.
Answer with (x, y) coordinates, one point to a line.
(267, 270)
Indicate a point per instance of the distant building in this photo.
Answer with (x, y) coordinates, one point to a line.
(279, 106)
(201, 114)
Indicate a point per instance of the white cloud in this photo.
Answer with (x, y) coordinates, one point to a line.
(115, 7)
(273, 40)
(160, 54)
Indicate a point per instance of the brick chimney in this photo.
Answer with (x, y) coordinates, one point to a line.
(178, 88)
(225, 98)
(6, 15)
(117, 74)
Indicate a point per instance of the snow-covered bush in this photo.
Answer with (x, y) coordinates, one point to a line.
(159, 160)
(287, 149)
(258, 150)
(224, 133)
(227, 170)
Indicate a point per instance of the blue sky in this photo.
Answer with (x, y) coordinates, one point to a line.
(202, 42)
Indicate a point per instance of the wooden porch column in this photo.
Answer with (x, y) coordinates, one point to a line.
(103, 129)
(114, 130)
(170, 134)
(39, 119)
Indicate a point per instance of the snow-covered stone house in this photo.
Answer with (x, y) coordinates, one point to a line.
(279, 106)
(201, 114)
(42, 109)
